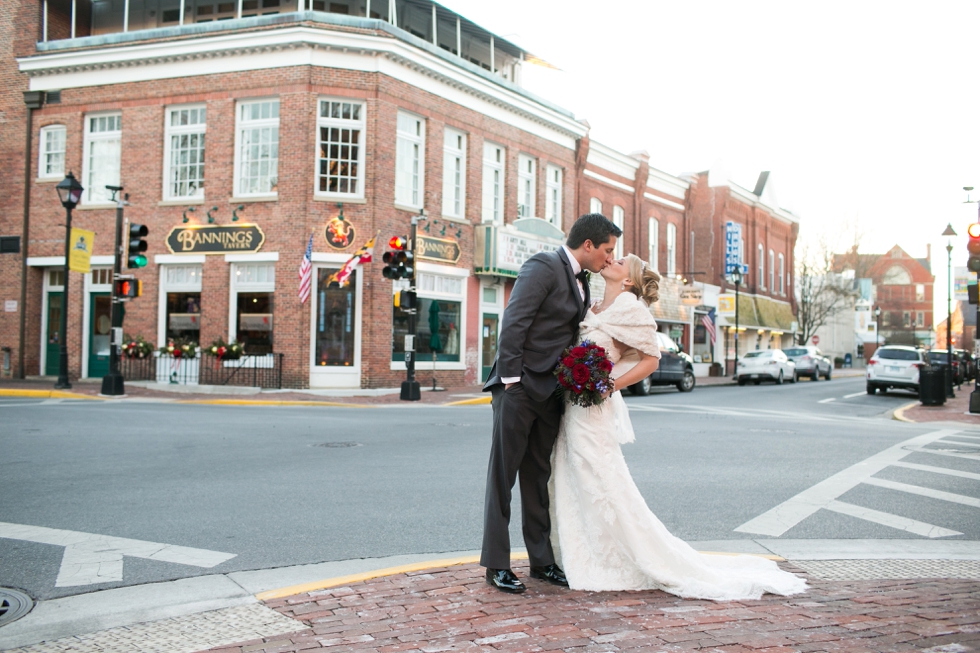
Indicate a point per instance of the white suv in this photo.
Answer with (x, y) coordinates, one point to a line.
(894, 366)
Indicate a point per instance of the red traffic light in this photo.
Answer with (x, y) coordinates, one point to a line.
(398, 243)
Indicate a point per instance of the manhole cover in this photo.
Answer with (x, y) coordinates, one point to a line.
(13, 605)
(338, 445)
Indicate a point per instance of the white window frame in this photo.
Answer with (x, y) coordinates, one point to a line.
(328, 122)
(619, 219)
(410, 161)
(436, 270)
(235, 286)
(494, 180)
(595, 205)
(772, 271)
(339, 376)
(95, 192)
(920, 319)
(167, 286)
(240, 125)
(553, 198)
(762, 266)
(454, 174)
(653, 244)
(46, 134)
(169, 132)
(671, 249)
(782, 274)
(527, 173)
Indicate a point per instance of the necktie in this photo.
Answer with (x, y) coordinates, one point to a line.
(583, 276)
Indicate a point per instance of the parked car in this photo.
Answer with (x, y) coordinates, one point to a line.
(939, 357)
(969, 363)
(810, 362)
(676, 368)
(767, 365)
(895, 366)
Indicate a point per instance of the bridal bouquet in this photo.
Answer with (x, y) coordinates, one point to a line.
(583, 374)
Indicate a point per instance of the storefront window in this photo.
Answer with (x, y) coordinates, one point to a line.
(335, 328)
(702, 345)
(255, 322)
(183, 316)
(438, 322)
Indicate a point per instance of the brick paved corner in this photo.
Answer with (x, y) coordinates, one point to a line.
(452, 609)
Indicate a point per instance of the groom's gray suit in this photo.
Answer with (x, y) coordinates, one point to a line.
(540, 321)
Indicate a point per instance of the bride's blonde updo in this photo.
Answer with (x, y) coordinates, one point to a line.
(646, 281)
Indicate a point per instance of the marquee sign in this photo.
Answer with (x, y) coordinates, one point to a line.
(215, 239)
(437, 249)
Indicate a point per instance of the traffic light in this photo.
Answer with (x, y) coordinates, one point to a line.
(974, 247)
(128, 288)
(400, 262)
(135, 257)
(405, 299)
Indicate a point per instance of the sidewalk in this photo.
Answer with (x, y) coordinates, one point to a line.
(956, 409)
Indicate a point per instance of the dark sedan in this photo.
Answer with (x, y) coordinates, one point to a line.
(676, 368)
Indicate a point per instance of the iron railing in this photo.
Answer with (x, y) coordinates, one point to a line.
(253, 371)
(138, 369)
(177, 370)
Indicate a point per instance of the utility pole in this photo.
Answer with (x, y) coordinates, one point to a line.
(113, 384)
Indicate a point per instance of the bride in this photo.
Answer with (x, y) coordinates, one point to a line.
(604, 535)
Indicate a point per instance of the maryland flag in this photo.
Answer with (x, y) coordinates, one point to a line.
(363, 255)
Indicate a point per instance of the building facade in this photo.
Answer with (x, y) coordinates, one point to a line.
(903, 287)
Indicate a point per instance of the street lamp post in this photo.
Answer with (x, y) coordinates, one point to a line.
(69, 192)
(737, 280)
(949, 233)
(877, 327)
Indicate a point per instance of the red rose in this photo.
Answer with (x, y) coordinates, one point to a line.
(577, 389)
(578, 352)
(580, 373)
(605, 365)
(568, 361)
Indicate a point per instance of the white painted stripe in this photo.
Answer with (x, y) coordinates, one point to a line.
(791, 512)
(607, 180)
(826, 401)
(924, 491)
(855, 394)
(965, 444)
(660, 200)
(968, 456)
(892, 521)
(938, 470)
(971, 437)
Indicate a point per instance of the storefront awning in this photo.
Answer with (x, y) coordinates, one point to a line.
(762, 313)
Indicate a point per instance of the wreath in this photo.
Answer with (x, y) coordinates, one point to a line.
(225, 351)
(180, 348)
(137, 347)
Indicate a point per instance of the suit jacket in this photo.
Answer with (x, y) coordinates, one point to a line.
(540, 321)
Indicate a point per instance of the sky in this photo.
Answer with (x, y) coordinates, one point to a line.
(866, 113)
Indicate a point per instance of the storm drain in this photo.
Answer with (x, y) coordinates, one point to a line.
(338, 445)
(13, 605)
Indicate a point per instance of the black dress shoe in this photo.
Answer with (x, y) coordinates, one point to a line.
(505, 581)
(552, 574)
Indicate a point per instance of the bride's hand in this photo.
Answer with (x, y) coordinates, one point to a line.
(612, 389)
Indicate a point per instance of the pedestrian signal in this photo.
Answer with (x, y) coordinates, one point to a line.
(405, 300)
(973, 246)
(128, 288)
(136, 258)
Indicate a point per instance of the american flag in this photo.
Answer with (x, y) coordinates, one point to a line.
(362, 255)
(708, 321)
(306, 273)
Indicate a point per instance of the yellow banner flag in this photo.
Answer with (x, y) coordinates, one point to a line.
(80, 254)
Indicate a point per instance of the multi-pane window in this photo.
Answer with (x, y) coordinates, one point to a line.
(920, 318)
(619, 219)
(782, 275)
(653, 244)
(103, 140)
(258, 148)
(409, 160)
(184, 154)
(527, 170)
(340, 133)
(920, 292)
(906, 319)
(553, 199)
(595, 205)
(671, 249)
(762, 266)
(454, 174)
(439, 335)
(52, 152)
(253, 289)
(493, 183)
(772, 270)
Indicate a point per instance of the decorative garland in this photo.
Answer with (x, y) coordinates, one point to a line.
(137, 347)
(225, 351)
(180, 348)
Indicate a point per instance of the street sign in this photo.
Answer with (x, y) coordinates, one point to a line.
(733, 246)
(815, 340)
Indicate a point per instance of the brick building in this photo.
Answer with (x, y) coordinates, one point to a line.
(903, 288)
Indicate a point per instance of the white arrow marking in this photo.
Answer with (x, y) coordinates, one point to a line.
(91, 558)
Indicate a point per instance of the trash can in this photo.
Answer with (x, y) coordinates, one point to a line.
(932, 386)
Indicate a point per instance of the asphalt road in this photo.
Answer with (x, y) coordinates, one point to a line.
(279, 486)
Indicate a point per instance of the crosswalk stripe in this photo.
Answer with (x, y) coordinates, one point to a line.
(970, 437)
(951, 454)
(892, 521)
(937, 470)
(965, 444)
(924, 491)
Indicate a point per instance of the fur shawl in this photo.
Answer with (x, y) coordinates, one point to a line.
(629, 321)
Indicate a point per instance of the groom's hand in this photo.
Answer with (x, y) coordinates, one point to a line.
(508, 386)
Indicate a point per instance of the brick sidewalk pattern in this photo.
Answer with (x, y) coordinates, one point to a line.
(954, 410)
(453, 609)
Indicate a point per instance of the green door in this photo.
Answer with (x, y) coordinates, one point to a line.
(100, 328)
(52, 345)
(489, 342)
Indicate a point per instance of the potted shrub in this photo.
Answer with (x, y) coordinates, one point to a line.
(838, 362)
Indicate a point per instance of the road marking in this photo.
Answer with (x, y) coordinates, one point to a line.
(965, 444)
(969, 437)
(893, 521)
(791, 512)
(91, 558)
(937, 470)
(924, 491)
(856, 394)
(826, 401)
(951, 454)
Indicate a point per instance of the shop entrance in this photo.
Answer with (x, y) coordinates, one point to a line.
(52, 339)
(490, 324)
(100, 329)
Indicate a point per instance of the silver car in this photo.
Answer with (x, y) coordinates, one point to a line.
(765, 365)
(810, 362)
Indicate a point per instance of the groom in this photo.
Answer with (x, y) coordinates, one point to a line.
(548, 301)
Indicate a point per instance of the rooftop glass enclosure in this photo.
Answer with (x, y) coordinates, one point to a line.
(427, 20)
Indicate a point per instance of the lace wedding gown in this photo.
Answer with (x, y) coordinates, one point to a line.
(603, 534)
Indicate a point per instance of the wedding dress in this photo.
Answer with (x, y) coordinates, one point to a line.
(603, 534)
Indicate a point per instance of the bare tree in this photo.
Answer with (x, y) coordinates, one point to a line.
(823, 292)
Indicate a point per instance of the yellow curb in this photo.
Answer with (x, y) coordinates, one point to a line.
(250, 402)
(469, 402)
(44, 394)
(339, 581)
(899, 413)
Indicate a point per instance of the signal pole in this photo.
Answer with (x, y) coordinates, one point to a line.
(411, 390)
(113, 384)
(973, 264)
